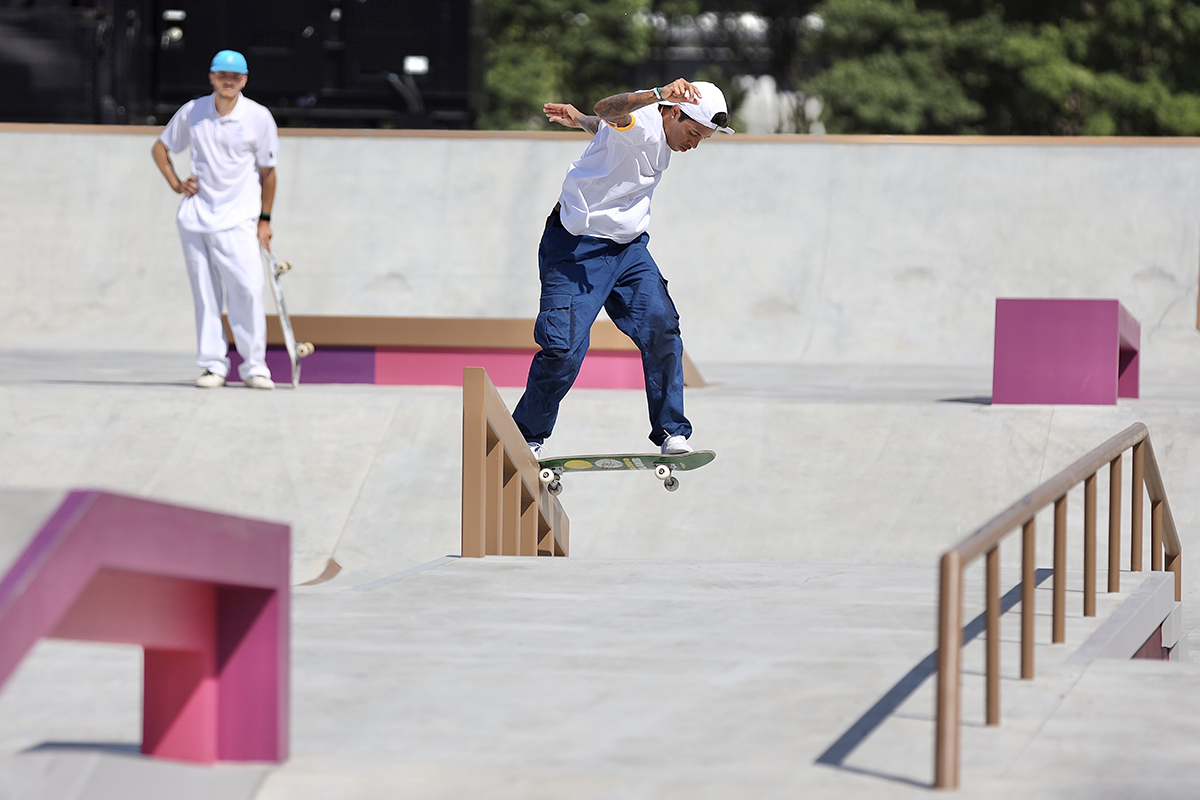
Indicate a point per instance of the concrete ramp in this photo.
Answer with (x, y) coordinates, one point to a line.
(889, 467)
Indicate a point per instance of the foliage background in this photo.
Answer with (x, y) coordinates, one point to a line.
(1025, 67)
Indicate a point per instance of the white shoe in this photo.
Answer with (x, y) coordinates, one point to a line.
(536, 449)
(676, 446)
(210, 380)
(259, 382)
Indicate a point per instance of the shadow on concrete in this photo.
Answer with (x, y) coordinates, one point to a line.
(981, 400)
(117, 748)
(839, 751)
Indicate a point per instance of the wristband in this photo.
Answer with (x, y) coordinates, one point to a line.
(658, 93)
(264, 217)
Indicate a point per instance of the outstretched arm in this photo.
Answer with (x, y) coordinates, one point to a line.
(569, 115)
(616, 109)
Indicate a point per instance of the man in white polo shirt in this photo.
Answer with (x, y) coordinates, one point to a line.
(593, 253)
(224, 216)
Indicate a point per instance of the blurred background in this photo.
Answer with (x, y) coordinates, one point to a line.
(1014, 67)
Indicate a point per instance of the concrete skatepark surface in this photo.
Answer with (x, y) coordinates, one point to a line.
(714, 642)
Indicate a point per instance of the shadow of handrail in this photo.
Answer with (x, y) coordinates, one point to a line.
(837, 753)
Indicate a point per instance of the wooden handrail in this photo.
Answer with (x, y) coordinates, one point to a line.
(986, 541)
(506, 510)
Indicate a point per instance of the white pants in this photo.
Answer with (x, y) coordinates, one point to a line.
(228, 260)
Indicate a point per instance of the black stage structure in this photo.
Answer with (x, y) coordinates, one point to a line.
(314, 63)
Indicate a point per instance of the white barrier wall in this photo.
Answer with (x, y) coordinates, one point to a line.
(779, 249)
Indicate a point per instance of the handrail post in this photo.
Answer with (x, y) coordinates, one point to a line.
(1114, 524)
(1059, 605)
(992, 607)
(1028, 587)
(1175, 565)
(1156, 534)
(474, 466)
(949, 673)
(1135, 507)
(1089, 546)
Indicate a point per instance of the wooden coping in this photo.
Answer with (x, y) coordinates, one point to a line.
(470, 333)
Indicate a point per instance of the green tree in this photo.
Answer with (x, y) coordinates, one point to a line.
(572, 51)
(890, 66)
(1007, 66)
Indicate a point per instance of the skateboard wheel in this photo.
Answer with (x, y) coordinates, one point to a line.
(662, 472)
(671, 484)
(282, 267)
(555, 488)
(304, 349)
(546, 475)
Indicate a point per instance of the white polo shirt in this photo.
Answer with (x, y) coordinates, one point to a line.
(607, 191)
(226, 155)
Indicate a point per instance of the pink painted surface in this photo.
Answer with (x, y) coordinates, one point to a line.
(443, 366)
(206, 595)
(1064, 352)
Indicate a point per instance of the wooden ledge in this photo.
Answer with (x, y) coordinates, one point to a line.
(461, 333)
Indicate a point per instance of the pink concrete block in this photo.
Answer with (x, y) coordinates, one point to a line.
(611, 369)
(206, 595)
(1064, 352)
(443, 366)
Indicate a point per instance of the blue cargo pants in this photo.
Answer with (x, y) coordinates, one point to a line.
(580, 275)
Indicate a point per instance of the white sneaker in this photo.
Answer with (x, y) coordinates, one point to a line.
(676, 446)
(536, 449)
(210, 380)
(259, 382)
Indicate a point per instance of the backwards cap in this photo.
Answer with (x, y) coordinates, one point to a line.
(711, 103)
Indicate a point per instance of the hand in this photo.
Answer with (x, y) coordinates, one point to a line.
(680, 91)
(563, 114)
(265, 234)
(190, 187)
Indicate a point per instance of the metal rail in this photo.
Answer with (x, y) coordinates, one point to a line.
(986, 542)
(506, 510)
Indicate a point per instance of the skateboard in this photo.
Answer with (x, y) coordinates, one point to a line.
(295, 351)
(663, 466)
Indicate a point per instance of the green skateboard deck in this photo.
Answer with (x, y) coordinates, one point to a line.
(663, 466)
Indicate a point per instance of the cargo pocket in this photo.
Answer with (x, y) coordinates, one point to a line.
(553, 327)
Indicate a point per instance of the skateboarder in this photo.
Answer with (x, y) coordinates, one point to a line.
(224, 216)
(593, 253)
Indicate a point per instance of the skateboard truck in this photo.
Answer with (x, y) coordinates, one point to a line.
(552, 478)
(663, 473)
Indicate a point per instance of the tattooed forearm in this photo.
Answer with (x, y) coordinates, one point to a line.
(589, 124)
(621, 105)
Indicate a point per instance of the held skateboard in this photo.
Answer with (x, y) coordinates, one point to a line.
(663, 466)
(295, 351)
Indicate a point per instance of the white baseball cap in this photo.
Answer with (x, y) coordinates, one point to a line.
(710, 103)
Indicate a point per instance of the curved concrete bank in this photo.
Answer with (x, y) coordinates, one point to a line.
(864, 250)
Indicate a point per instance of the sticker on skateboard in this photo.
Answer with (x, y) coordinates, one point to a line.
(663, 466)
(295, 352)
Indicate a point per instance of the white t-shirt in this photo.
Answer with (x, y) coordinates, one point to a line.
(226, 155)
(607, 191)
